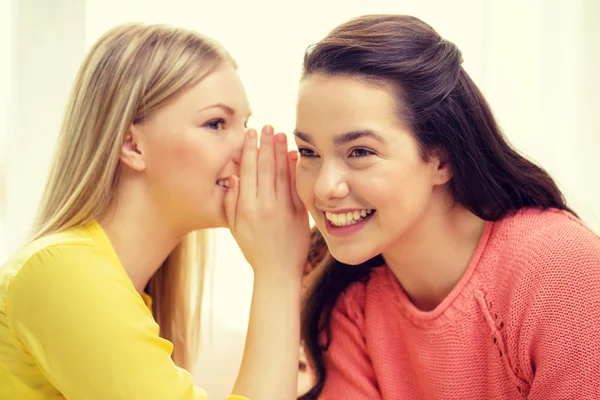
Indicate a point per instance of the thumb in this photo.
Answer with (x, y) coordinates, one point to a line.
(231, 200)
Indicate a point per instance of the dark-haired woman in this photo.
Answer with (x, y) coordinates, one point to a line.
(447, 265)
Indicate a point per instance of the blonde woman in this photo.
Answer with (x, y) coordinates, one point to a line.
(153, 148)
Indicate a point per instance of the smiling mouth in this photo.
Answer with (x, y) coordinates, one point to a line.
(348, 218)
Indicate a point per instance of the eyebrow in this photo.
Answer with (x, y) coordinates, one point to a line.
(343, 138)
(225, 108)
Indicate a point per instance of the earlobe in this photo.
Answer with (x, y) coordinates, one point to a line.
(443, 172)
(131, 154)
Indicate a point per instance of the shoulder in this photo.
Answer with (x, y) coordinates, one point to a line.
(538, 257)
(69, 259)
(547, 242)
(548, 263)
(546, 226)
(57, 269)
(554, 301)
(353, 301)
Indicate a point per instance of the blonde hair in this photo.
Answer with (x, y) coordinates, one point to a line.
(129, 73)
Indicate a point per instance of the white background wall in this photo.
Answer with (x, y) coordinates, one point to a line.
(535, 60)
(5, 46)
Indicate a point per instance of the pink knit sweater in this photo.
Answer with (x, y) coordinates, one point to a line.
(522, 323)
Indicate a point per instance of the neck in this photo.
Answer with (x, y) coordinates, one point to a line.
(140, 236)
(433, 255)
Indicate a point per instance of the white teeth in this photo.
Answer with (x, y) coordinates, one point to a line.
(348, 218)
(223, 183)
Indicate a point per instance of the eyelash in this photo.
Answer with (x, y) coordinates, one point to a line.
(304, 152)
(366, 152)
(211, 124)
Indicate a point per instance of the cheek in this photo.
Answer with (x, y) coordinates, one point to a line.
(185, 160)
(305, 181)
(399, 191)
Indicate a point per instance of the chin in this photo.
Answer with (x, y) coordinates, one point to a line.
(351, 258)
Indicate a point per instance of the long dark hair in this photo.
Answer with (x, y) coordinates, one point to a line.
(447, 113)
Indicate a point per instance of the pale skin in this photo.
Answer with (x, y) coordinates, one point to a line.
(176, 167)
(426, 239)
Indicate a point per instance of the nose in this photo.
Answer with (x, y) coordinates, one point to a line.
(331, 183)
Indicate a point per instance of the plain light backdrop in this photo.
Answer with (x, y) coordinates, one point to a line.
(536, 61)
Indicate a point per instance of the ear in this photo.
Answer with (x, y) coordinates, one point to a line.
(442, 172)
(131, 154)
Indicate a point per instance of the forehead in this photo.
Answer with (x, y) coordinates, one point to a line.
(335, 104)
(221, 86)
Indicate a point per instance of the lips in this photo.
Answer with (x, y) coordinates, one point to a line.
(342, 224)
(223, 182)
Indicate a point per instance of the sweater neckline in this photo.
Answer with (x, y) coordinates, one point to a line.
(451, 302)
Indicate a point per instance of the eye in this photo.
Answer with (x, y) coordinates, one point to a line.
(360, 153)
(304, 152)
(216, 124)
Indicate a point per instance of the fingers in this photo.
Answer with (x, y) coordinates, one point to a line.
(282, 174)
(293, 160)
(268, 172)
(231, 201)
(248, 178)
(266, 163)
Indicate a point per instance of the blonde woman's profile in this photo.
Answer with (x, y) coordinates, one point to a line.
(153, 150)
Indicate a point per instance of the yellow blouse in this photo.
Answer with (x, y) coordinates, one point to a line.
(72, 326)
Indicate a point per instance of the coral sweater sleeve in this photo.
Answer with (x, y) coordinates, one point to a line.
(350, 375)
(560, 329)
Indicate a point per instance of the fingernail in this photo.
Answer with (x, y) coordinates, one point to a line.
(280, 137)
(231, 182)
(294, 155)
(252, 134)
(268, 130)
